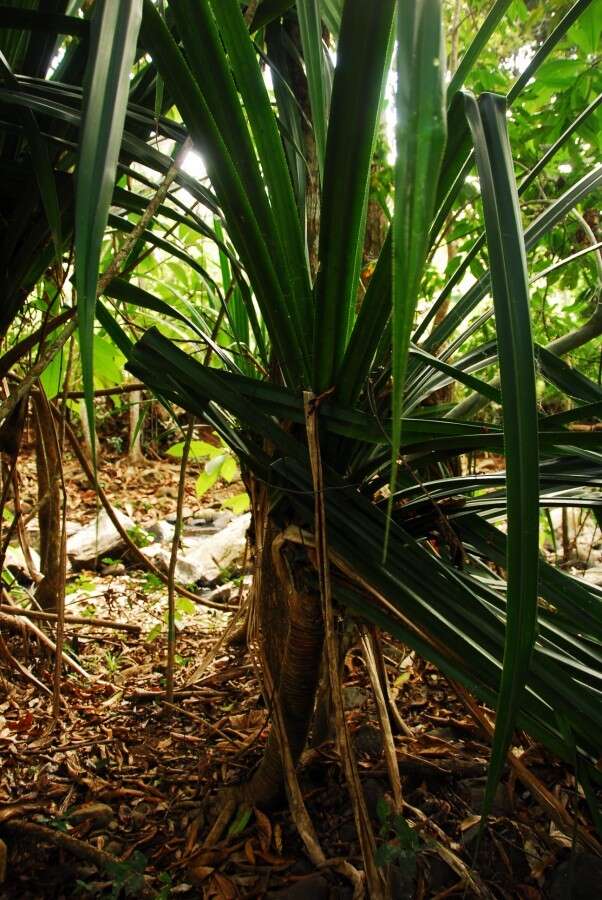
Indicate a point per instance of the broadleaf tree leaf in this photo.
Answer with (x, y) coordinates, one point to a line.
(198, 450)
(205, 481)
(239, 503)
(229, 469)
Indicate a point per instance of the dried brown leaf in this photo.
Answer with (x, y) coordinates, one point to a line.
(264, 826)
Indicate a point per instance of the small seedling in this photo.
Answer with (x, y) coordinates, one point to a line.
(184, 607)
(239, 503)
(127, 876)
(401, 843)
(138, 536)
(240, 822)
(81, 583)
(166, 880)
(154, 633)
(113, 662)
(152, 583)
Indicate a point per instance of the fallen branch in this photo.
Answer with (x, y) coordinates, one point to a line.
(227, 635)
(368, 648)
(397, 721)
(71, 620)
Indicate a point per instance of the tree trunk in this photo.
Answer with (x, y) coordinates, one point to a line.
(87, 431)
(290, 635)
(135, 453)
(49, 500)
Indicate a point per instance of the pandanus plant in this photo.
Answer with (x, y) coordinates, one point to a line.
(317, 380)
(355, 504)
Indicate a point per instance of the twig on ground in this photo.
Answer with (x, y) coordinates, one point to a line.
(383, 718)
(225, 637)
(43, 639)
(397, 722)
(218, 827)
(14, 663)
(71, 620)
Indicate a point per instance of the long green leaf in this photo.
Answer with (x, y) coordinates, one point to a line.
(332, 11)
(113, 46)
(310, 27)
(570, 381)
(40, 158)
(251, 242)
(358, 80)
(420, 141)
(487, 120)
(40, 20)
(269, 10)
(257, 105)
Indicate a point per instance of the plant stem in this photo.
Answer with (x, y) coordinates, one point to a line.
(171, 577)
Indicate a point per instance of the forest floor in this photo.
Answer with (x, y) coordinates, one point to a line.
(122, 772)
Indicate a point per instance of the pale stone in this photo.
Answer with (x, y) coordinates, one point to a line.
(98, 539)
(206, 558)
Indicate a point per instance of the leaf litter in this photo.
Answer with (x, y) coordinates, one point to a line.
(140, 782)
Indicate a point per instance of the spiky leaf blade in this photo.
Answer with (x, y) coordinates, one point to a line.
(420, 140)
(487, 121)
(114, 35)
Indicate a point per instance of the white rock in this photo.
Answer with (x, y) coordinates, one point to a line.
(594, 575)
(162, 530)
(99, 538)
(208, 556)
(15, 561)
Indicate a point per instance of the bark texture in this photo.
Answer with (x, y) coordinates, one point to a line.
(49, 500)
(290, 633)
